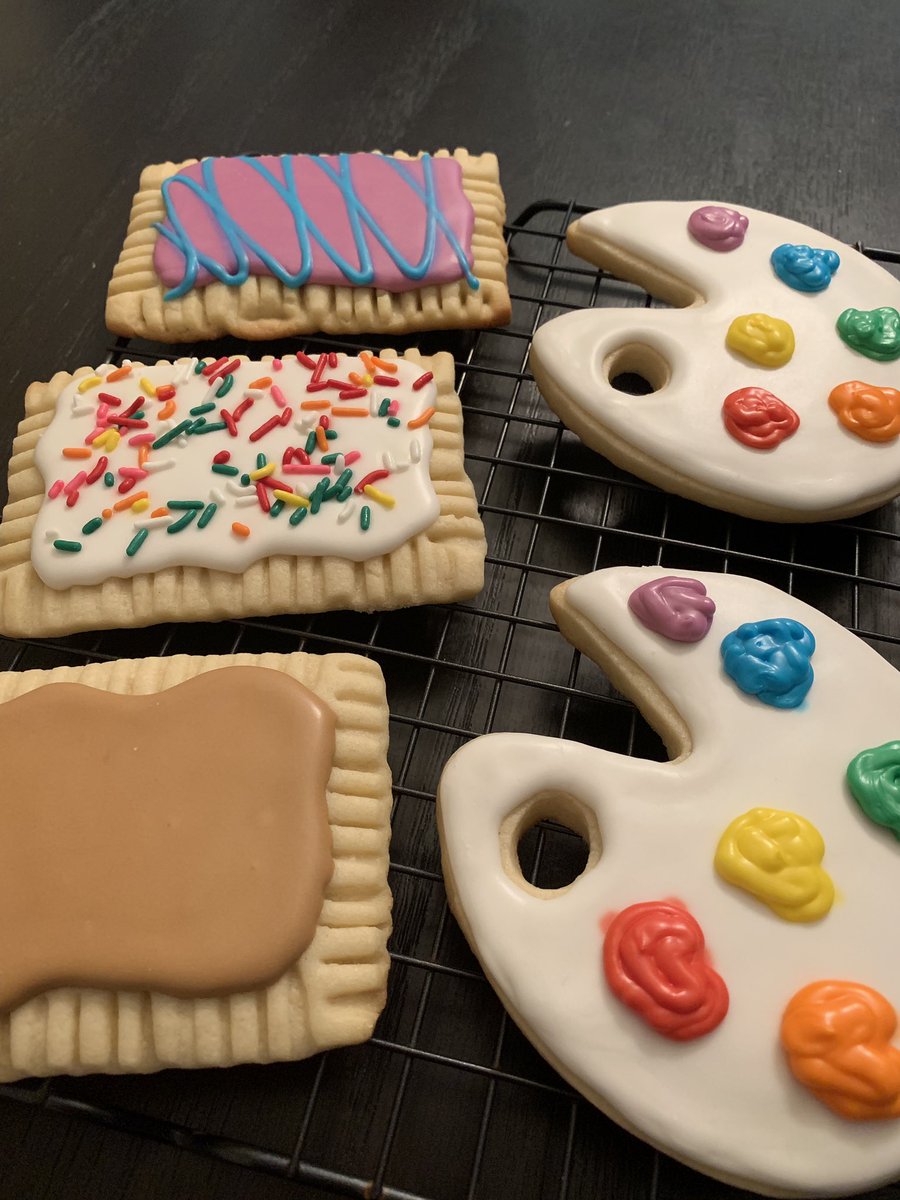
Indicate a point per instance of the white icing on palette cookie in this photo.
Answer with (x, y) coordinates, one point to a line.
(171, 467)
(705, 1076)
(787, 445)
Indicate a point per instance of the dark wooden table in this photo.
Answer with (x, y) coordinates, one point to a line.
(793, 108)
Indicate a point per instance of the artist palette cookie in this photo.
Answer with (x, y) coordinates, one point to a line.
(210, 488)
(270, 245)
(776, 378)
(722, 979)
(193, 862)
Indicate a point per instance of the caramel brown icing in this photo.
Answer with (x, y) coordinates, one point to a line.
(176, 842)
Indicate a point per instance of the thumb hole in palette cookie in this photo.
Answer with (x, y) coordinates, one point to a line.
(548, 842)
(637, 370)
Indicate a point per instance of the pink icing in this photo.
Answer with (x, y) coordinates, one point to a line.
(258, 209)
(679, 609)
(718, 228)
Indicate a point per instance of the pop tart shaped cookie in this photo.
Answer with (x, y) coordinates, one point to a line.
(776, 377)
(722, 979)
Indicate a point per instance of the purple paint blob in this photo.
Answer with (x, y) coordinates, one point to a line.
(718, 228)
(679, 609)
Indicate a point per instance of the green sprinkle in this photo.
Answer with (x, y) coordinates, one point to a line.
(202, 408)
(328, 460)
(261, 461)
(138, 416)
(164, 439)
(226, 386)
(245, 480)
(198, 370)
(383, 410)
(197, 426)
(393, 422)
(207, 515)
(136, 542)
(311, 442)
(69, 547)
(276, 508)
(184, 504)
(321, 488)
(331, 434)
(298, 514)
(345, 494)
(342, 480)
(315, 502)
(365, 517)
(212, 427)
(93, 525)
(224, 469)
(109, 479)
(182, 522)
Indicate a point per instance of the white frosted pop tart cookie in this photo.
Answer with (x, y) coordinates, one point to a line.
(208, 489)
(776, 378)
(722, 978)
(196, 873)
(266, 246)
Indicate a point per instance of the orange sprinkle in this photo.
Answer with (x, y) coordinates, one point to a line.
(121, 505)
(321, 439)
(421, 419)
(349, 412)
(160, 512)
(355, 378)
(367, 359)
(261, 383)
(239, 529)
(390, 367)
(76, 452)
(120, 373)
(143, 455)
(315, 404)
(167, 410)
(106, 514)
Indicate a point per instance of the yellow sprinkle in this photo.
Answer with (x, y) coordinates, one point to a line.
(368, 380)
(108, 440)
(140, 505)
(382, 497)
(292, 499)
(147, 386)
(89, 382)
(262, 472)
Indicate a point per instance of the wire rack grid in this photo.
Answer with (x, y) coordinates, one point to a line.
(448, 1100)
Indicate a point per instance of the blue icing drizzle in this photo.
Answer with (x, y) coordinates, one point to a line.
(770, 660)
(803, 268)
(358, 215)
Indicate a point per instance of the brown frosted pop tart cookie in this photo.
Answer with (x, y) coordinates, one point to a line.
(208, 489)
(197, 875)
(273, 245)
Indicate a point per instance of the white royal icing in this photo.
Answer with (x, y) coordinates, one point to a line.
(726, 1101)
(181, 470)
(822, 465)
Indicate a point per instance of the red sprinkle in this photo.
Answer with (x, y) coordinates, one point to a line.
(422, 380)
(332, 360)
(268, 426)
(372, 477)
(291, 453)
(324, 422)
(263, 497)
(352, 394)
(221, 371)
(166, 392)
(229, 421)
(319, 368)
(75, 483)
(306, 361)
(99, 467)
(108, 399)
(128, 422)
(127, 484)
(132, 408)
(340, 385)
(242, 407)
(210, 367)
(316, 386)
(222, 457)
(271, 482)
(385, 381)
(71, 499)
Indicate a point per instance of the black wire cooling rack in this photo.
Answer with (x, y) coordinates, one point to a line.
(448, 1100)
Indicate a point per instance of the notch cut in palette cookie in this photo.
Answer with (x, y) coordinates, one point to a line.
(278, 895)
(735, 916)
(775, 379)
(208, 489)
(272, 245)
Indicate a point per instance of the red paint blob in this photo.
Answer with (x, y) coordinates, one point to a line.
(758, 419)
